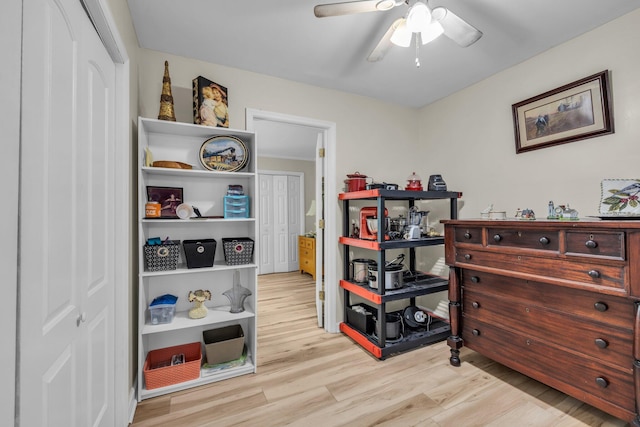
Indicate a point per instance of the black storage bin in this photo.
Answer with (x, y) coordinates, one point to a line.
(199, 253)
(362, 322)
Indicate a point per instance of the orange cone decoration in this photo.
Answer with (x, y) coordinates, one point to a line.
(166, 99)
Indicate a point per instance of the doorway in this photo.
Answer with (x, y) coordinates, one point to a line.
(324, 135)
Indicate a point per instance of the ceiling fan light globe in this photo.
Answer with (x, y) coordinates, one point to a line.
(432, 32)
(383, 5)
(418, 17)
(401, 35)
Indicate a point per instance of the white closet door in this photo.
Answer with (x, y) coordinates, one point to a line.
(295, 217)
(266, 228)
(281, 223)
(67, 228)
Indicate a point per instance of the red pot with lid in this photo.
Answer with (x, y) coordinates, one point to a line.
(414, 183)
(356, 182)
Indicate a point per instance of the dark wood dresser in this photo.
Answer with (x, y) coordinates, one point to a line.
(555, 300)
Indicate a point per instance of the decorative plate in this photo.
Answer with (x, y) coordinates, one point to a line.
(620, 198)
(224, 153)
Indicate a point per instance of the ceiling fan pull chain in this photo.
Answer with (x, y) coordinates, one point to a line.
(417, 52)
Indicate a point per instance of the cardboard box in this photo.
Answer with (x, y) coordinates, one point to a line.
(223, 344)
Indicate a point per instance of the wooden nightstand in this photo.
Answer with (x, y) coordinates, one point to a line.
(307, 255)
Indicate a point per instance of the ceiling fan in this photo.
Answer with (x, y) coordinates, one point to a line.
(419, 19)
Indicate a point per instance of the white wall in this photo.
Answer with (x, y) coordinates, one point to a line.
(367, 130)
(469, 136)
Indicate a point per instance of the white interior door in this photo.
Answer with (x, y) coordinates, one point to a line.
(295, 206)
(281, 223)
(266, 227)
(66, 231)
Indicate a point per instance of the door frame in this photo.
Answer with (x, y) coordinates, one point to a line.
(328, 132)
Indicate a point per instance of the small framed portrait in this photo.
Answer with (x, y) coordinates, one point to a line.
(210, 103)
(168, 197)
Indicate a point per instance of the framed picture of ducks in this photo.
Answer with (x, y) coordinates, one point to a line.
(573, 112)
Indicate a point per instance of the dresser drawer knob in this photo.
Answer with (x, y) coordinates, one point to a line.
(600, 306)
(497, 237)
(602, 382)
(601, 343)
(475, 279)
(544, 240)
(591, 244)
(467, 256)
(594, 274)
(475, 332)
(475, 304)
(467, 235)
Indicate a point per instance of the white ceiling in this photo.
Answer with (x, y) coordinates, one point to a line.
(286, 140)
(283, 38)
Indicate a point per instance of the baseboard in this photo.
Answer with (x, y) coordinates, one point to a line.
(133, 401)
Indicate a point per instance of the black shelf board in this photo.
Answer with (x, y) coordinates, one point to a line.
(414, 243)
(399, 195)
(438, 331)
(408, 290)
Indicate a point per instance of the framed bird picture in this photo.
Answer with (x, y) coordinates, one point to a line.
(620, 199)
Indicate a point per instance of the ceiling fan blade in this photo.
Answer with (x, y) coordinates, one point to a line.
(385, 42)
(456, 28)
(347, 8)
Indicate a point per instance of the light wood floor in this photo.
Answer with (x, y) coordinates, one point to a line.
(310, 378)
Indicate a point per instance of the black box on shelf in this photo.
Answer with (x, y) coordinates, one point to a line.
(199, 253)
(363, 322)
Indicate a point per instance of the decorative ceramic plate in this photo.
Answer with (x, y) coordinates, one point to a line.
(620, 198)
(224, 153)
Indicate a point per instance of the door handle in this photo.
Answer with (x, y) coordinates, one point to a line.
(82, 317)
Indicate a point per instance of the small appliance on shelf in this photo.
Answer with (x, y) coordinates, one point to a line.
(369, 223)
(414, 183)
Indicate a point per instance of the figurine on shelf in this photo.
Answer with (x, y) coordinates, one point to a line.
(237, 294)
(199, 297)
(526, 214)
(565, 213)
(552, 211)
(355, 230)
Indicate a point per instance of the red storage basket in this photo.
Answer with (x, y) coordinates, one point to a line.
(167, 375)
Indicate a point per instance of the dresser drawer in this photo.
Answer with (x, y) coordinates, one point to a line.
(606, 309)
(576, 271)
(586, 378)
(307, 243)
(609, 344)
(597, 244)
(527, 239)
(468, 235)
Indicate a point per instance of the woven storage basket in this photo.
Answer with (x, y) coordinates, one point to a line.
(168, 375)
(162, 257)
(237, 250)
